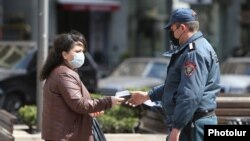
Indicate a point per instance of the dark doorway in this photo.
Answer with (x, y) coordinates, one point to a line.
(73, 20)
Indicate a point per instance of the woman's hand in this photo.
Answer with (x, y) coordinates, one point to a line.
(96, 114)
(117, 100)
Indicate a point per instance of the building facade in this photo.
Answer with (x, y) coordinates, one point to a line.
(121, 28)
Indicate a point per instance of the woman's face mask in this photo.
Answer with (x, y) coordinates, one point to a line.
(78, 60)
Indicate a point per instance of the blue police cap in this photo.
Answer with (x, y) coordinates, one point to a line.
(181, 15)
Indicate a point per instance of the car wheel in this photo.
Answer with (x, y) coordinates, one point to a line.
(13, 103)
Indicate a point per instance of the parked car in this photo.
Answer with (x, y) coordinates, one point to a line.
(235, 76)
(134, 73)
(18, 78)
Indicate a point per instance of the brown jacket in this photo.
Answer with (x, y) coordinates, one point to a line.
(66, 107)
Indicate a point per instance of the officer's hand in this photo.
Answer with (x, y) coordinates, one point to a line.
(174, 135)
(137, 98)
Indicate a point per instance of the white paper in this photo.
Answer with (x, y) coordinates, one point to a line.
(149, 103)
(122, 93)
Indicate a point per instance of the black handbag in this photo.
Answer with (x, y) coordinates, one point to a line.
(97, 131)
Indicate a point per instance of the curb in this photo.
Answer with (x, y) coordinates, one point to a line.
(21, 135)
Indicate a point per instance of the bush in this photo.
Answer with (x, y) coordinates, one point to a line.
(119, 119)
(28, 115)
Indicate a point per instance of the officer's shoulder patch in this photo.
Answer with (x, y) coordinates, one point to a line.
(189, 68)
(191, 46)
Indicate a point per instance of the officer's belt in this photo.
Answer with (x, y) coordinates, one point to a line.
(200, 114)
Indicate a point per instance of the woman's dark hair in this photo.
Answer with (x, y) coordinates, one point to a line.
(63, 42)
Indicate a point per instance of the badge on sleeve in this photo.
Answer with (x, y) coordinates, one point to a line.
(189, 68)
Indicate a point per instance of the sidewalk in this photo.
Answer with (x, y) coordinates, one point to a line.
(21, 135)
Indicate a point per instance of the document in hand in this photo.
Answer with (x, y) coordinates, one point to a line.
(124, 94)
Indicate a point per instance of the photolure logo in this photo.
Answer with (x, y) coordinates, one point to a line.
(241, 132)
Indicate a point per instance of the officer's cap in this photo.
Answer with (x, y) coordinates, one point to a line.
(181, 15)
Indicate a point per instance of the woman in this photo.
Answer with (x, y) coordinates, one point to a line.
(68, 110)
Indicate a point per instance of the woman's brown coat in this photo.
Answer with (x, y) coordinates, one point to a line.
(66, 107)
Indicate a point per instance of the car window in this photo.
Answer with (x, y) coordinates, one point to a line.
(131, 68)
(12, 54)
(247, 70)
(158, 70)
(90, 62)
(235, 68)
(24, 62)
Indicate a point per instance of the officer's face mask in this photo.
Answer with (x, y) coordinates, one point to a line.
(78, 60)
(174, 41)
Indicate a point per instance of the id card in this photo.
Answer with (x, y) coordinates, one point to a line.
(124, 94)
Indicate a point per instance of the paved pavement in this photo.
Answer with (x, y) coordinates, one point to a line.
(21, 135)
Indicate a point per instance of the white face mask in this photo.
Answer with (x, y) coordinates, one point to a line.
(78, 60)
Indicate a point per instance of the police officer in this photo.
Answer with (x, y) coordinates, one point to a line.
(189, 93)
